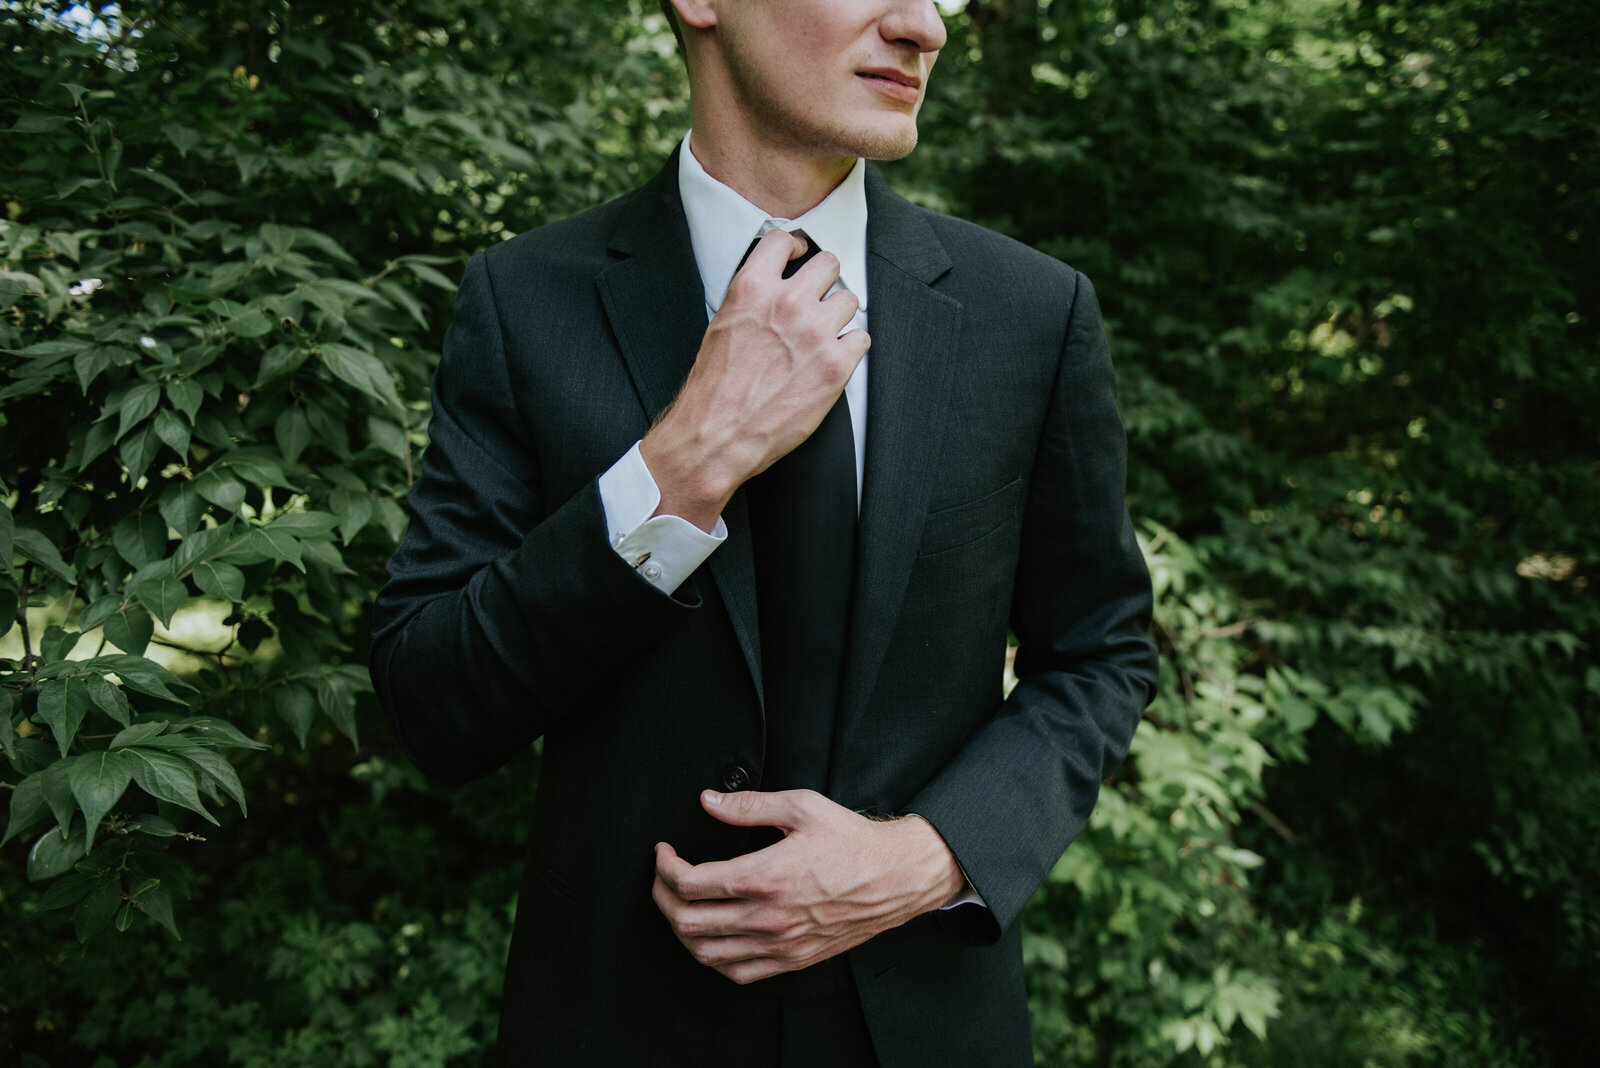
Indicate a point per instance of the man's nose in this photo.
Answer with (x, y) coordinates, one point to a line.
(916, 22)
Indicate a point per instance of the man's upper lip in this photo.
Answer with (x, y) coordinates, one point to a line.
(894, 74)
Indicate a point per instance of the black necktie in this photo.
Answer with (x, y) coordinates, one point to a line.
(803, 529)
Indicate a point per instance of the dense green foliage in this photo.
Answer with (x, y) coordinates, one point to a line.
(1343, 252)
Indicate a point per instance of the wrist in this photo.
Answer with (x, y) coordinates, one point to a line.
(687, 477)
(939, 875)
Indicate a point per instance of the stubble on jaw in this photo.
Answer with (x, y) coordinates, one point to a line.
(808, 134)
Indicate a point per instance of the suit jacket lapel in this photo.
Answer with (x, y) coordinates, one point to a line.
(913, 353)
(656, 306)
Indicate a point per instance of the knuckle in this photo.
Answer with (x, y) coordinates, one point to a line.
(788, 304)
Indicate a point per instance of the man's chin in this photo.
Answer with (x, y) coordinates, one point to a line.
(890, 144)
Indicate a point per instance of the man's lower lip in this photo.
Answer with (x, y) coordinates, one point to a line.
(896, 90)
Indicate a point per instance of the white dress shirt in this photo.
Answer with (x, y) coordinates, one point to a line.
(666, 549)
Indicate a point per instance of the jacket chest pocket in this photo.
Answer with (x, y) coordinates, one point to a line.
(962, 524)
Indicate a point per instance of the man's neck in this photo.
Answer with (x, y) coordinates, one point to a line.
(784, 184)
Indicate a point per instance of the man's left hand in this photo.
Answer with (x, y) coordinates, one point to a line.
(836, 879)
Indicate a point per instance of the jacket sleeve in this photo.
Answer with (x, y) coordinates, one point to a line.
(501, 608)
(1023, 786)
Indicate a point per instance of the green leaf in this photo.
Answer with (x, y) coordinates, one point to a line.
(54, 854)
(280, 360)
(97, 908)
(333, 693)
(9, 602)
(293, 431)
(164, 182)
(88, 365)
(8, 528)
(38, 122)
(162, 594)
(388, 436)
(58, 643)
(186, 395)
(217, 732)
(170, 429)
(142, 676)
(62, 705)
(95, 442)
(402, 296)
(296, 708)
(109, 698)
(32, 545)
(130, 630)
(222, 581)
(98, 780)
(392, 518)
(137, 403)
(304, 524)
(361, 370)
(276, 545)
(67, 890)
(252, 325)
(182, 506)
(183, 138)
(216, 765)
(137, 450)
(430, 275)
(354, 509)
(401, 173)
(141, 539)
(250, 165)
(154, 826)
(164, 776)
(97, 611)
(138, 733)
(158, 906)
(145, 887)
(279, 239)
(259, 466)
(39, 795)
(203, 545)
(64, 244)
(221, 489)
(327, 555)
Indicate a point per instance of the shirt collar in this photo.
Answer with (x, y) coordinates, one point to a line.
(722, 224)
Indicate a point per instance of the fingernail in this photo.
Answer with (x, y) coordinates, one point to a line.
(713, 798)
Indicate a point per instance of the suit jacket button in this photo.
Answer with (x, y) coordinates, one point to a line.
(735, 778)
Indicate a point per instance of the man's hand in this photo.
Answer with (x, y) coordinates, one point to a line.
(770, 367)
(835, 880)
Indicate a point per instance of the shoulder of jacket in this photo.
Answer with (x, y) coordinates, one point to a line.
(575, 241)
(977, 247)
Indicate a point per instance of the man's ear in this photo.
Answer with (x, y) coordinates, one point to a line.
(700, 14)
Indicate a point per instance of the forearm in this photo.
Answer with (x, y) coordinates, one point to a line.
(470, 675)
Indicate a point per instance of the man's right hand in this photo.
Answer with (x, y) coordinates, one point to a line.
(771, 366)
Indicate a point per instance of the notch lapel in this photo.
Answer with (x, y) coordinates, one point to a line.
(914, 330)
(655, 304)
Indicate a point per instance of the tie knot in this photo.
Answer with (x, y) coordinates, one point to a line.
(812, 248)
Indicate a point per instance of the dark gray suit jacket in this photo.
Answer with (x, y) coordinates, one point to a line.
(993, 498)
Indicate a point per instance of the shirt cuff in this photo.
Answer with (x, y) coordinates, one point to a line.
(968, 894)
(663, 549)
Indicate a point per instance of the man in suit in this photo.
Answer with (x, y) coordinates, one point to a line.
(743, 543)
